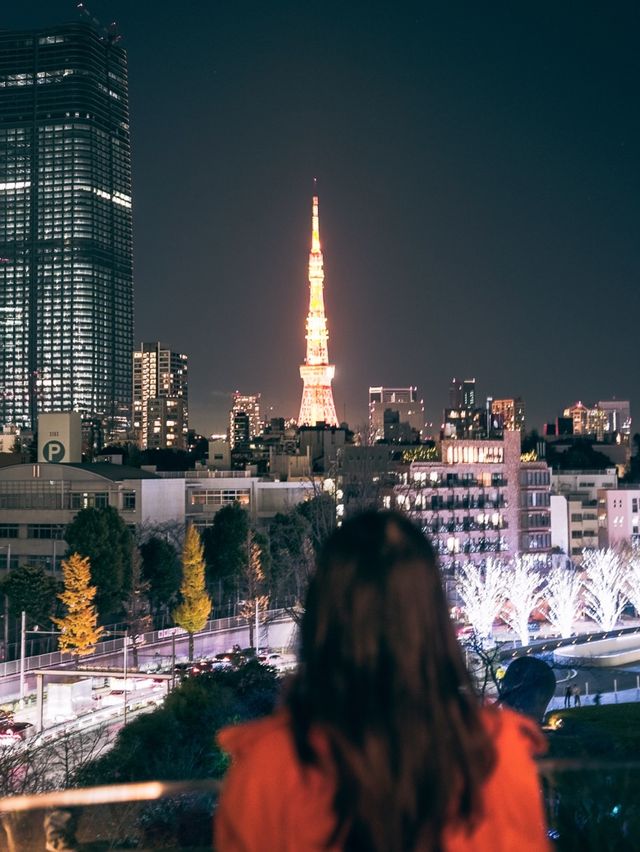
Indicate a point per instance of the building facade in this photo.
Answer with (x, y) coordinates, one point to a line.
(619, 516)
(66, 282)
(37, 501)
(160, 397)
(408, 411)
(479, 500)
(510, 413)
(575, 508)
(244, 420)
(207, 491)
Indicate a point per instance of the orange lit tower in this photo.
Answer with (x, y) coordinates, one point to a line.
(316, 372)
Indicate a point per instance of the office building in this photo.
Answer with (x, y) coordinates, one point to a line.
(395, 414)
(574, 508)
(619, 516)
(38, 501)
(617, 414)
(66, 285)
(478, 500)
(244, 420)
(509, 412)
(160, 397)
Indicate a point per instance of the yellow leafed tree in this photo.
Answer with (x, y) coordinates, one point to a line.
(79, 629)
(254, 582)
(193, 611)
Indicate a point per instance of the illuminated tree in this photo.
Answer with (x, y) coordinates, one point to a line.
(255, 598)
(483, 594)
(524, 586)
(193, 610)
(605, 586)
(562, 595)
(79, 629)
(633, 578)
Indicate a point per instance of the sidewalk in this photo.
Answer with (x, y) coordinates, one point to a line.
(622, 696)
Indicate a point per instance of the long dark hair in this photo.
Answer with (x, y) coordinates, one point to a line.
(382, 676)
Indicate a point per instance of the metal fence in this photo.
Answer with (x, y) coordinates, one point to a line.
(115, 644)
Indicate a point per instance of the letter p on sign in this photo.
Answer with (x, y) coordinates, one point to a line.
(53, 451)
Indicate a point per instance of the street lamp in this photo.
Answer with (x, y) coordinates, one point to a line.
(23, 645)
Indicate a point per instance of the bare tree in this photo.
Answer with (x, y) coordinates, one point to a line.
(605, 586)
(524, 587)
(136, 605)
(563, 596)
(483, 594)
(484, 663)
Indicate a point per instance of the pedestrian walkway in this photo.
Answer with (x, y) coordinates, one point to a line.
(622, 696)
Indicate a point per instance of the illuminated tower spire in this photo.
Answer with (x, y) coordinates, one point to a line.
(316, 372)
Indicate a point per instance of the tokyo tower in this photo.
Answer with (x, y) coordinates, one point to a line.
(316, 372)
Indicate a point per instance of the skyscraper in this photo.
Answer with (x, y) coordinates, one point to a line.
(160, 396)
(66, 284)
(316, 372)
(244, 419)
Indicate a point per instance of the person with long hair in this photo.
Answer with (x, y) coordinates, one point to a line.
(382, 745)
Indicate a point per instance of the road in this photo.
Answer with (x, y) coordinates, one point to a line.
(273, 634)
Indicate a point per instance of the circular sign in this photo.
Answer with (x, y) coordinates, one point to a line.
(53, 451)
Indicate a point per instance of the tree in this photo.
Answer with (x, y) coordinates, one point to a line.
(320, 512)
(102, 536)
(605, 586)
(524, 586)
(225, 543)
(633, 578)
(193, 610)
(292, 560)
(563, 598)
(483, 593)
(162, 571)
(253, 584)
(177, 741)
(30, 589)
(136, 606)
(79, 631)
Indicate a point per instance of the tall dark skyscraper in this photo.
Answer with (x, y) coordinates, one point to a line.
(66, 279)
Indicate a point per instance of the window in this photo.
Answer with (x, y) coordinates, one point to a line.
(89, 499)
(8, 531)
(129, 501)
(55, 531)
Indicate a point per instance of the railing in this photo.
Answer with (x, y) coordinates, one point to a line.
(591, 806)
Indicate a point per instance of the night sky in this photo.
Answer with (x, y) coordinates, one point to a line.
(479, 181)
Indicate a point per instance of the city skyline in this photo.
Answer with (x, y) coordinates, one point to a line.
(479, 181)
